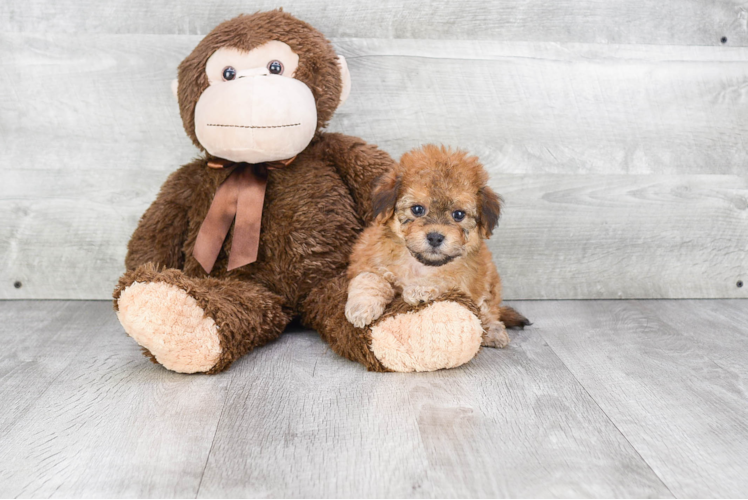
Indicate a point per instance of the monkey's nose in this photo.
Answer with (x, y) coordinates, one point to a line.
(435, 239)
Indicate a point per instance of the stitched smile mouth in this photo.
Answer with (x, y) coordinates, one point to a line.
(254, 126)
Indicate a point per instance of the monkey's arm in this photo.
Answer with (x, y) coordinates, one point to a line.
(162, 229)
(359, 165)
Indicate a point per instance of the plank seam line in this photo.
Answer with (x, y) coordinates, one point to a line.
(215, 433)
(649, 466)
(509, 57)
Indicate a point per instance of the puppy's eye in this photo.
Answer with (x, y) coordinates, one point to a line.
(275, 67)
(417, 210)
(229, 73)
(458, 215)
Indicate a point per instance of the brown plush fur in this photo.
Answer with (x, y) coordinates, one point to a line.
(395, 252)
(310, 221)
(314, 210)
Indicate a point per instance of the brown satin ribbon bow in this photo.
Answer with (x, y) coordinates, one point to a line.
(239, 197)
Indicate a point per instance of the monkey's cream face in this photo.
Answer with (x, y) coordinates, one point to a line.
(254, 110)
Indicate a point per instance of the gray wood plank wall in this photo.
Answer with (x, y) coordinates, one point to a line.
(614, 130)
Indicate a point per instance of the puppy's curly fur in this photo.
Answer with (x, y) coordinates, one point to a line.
(433, 213)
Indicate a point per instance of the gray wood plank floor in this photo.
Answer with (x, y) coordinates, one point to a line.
(597, 399)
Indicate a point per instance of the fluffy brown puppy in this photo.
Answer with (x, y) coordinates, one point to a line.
(254, 96)
(433, 215)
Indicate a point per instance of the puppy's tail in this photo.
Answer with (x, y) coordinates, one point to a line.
(513, 319)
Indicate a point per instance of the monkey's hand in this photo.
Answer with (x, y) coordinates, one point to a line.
(414, 295)
(368, 296)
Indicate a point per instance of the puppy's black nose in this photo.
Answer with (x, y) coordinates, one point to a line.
(435, 239)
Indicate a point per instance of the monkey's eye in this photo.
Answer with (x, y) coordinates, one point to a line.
(229, 73)
(458, 215)
(275, 67)
(418, 210)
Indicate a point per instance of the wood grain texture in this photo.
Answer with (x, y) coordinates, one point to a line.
(103, 100)
(596, 399)
(622, 236)
(40, 340)
(672, 378)
(97, 102)
(303, 422)
(678, 22)
(110, 424)
(66, 233)
(90, 130)
(561, 236)
(554, 108)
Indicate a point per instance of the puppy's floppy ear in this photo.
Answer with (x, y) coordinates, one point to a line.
(384, 197)
(490, 210)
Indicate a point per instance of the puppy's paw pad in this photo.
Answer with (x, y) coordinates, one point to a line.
(496, 336)
(414, 295)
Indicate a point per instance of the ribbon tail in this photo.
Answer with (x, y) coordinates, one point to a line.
(217, 223)
(246, 240)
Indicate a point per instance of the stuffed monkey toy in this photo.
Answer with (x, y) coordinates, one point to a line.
(259, 229)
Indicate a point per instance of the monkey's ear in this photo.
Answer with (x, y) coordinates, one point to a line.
(175, 87)
(384, 197)
(345, 77)
(490, 210)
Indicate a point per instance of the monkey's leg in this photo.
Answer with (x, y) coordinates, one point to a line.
(192, 325)
(324, 310)
(427, 337)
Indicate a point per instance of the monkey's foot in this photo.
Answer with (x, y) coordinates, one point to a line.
(442, 335)
(170, 324)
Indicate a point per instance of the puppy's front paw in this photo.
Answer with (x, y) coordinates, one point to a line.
(496, 336)
(362, 311)
(414, 295)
